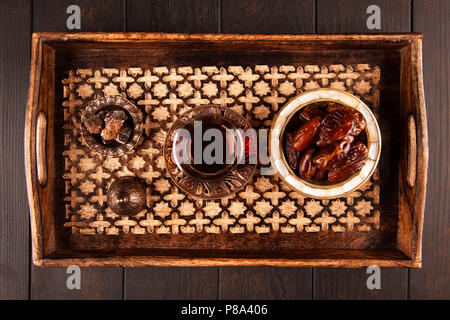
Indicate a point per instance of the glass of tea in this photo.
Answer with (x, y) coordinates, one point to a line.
(210, 152)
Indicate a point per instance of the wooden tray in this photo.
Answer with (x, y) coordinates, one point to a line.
(266, 223)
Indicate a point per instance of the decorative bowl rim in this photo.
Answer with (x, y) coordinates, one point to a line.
(94, 106)
(306, 188)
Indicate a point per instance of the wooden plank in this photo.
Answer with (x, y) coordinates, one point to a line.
(266, 17)
(341, 16)
(350, 16)
(200, 16)
(172, 283)
(98, 15)
(96, 283)
(351, 284)
(165, 283)
(265, 283)
(15, 37)
(432, 281)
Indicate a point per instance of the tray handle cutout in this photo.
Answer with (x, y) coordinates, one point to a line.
(412, 152)
(41, 135)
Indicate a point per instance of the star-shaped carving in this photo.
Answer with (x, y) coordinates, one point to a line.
(210, 89)
(162, 209)
(187, 208)
(162, 185)
(338, 207)
(237, 208)
(363, 207)
(261, 88)
(135, 91)
(110, 90)
(185, 89)
(288, 208)
(85, 91)
(313, 208)
(235, 88)
(263, 207)
(212, 209)
(160, 90)
(87, 211)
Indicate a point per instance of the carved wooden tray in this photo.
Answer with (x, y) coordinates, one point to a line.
(267, 223)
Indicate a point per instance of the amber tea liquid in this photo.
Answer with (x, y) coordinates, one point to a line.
(194, 148)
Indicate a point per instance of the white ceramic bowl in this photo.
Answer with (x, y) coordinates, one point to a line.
(306, 188)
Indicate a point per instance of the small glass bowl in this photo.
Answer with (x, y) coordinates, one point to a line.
(113, 102)
(276, 141)
(227, 179)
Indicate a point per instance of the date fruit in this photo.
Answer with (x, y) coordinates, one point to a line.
(327, 157)
(333, 107)
(306, 134)
(324, 147)
(291, 153)
(357, 152)
(335, 126)
(306, 167)
(346, 171)
(359, 123)
(320, 174)
(311, 112)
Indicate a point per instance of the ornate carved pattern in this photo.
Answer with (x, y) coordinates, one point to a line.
(257, 92)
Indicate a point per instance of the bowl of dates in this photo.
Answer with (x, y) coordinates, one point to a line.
(111, 126)
(325, 143)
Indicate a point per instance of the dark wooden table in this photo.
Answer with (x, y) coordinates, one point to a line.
(19, 18)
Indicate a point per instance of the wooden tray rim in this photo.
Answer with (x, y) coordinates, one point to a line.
(157, 36)
(166, 261)
(30, 156)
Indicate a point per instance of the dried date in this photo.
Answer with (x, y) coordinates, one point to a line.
(346, 171)
(291, 153)
(333, 107)
(324, 147)
(357, 152)
(306, 134)
(359, 123)
(320, 174)
(327, 157)
(306, 167)
(311, 112)
(335, 126)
